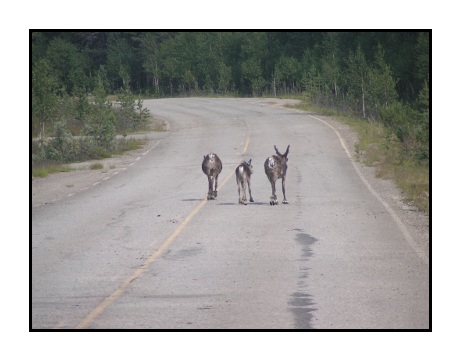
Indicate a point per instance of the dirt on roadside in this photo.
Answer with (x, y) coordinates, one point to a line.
(66, 184)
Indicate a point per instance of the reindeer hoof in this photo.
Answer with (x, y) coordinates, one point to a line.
(285, 201)
(210, 197)
(251, 200)
(214, 194)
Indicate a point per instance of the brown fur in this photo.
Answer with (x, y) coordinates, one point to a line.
(212, 167)
(276, 168)
(243, 177)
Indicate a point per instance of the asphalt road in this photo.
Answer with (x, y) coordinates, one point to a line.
(146, 250)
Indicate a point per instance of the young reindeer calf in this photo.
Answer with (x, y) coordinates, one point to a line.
(275, 168)
(243, 176)
(211, 166)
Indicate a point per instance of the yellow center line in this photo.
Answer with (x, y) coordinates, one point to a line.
(246, 146)
(121, 289)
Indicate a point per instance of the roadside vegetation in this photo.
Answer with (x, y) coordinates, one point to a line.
(45, 170)
(88, 87)
(405, 162)
(83, 127)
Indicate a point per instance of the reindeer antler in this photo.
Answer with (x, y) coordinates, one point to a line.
(277, 152)
(285, 154)
(287, 151)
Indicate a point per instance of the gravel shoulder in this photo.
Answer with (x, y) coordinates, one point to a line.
(62, 185)
(67, 184)
(416, 221)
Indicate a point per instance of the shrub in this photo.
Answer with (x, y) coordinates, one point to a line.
(96, 166)
(60, 148)
(101, 127)
(410, 127)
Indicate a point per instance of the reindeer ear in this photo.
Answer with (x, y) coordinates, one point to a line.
(287, 150)
(249, 161)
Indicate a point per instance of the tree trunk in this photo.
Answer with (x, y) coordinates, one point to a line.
(364, 107)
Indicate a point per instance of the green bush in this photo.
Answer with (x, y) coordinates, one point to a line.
(410, 127)
(101, 127)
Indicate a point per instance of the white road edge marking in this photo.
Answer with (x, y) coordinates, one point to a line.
(108, 177)
(395, 217)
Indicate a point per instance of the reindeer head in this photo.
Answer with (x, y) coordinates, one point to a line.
(284, 156)
(210, 156)
(248, 165)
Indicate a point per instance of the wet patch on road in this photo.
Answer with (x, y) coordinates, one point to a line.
(301, 304)
(182, 254)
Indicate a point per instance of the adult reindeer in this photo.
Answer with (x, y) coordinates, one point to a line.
(275, 168)
(243, 177)
(212, 166)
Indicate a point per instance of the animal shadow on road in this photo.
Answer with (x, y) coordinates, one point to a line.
(250, 203)
(229, 203)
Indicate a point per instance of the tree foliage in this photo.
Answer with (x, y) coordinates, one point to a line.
(45, 95)
(175, 63)
(370, 74)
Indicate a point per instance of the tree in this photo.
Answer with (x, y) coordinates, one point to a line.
(254, 61)
(287, 71)
(330, 61)
(69, 65)
(382, 86)
(310, 76)
(100, 123)
(224, 77)
(252, 72)
(423, 126)
(119, 61)
(422, 59)
(45, 98)
(150, 51)
(358, 78)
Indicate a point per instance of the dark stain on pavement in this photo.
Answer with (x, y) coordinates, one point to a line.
(301, 304)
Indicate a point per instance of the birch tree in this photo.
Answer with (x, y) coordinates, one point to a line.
(358, 78)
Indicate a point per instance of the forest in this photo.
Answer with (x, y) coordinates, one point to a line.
(383, 77)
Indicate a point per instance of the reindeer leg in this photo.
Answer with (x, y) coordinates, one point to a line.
(210, 188)
(245, 200)
(239, 192)
(284, 191)
(250, 195)
(273, 199)
(214, 194)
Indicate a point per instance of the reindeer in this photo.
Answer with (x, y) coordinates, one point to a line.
(275, 168)
(212, 166)
(243, 176)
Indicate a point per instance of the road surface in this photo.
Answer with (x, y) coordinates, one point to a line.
(144, 249)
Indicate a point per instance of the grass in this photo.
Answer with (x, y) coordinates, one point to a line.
(157, 125)
(45, 170)
(96, 166)
(379, 148)
(123, 145)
